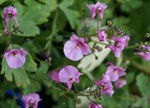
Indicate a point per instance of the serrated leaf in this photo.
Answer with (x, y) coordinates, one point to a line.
(51, 4)
(29, 28)
(70, 14)
(35, 12)
(21, 77)
(30, 64)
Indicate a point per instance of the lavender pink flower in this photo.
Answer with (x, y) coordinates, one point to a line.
(68, 75)
(119, 44)
(94, 105)
(145, 54)
(54, 76)
(102, 35)
(106, 85)
(114, 72)
(9, 12)
(31, 100)
(120, 83)
(97, 8)
(15, 58)
(75, 48)
(6, 31)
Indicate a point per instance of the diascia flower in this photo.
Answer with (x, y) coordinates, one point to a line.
(15, 58)
(114, 72)
(106, 85)
(102, 35)
(94, 105)
(97, 8)
(54, 76)
(9, 12)
(75, 48)
(6, 31)
(120, 83)
(145, 53)
(68, 75)
(119, 44)
(31, 100)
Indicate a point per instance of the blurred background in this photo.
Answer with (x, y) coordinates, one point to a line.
(47, 25)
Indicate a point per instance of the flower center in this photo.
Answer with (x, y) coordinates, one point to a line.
(78, 46)
(15, 54)
(31, 104)
(70, 77)
(115, 71)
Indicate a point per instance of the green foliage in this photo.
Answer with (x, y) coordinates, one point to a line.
(144, 86)
(47, 25)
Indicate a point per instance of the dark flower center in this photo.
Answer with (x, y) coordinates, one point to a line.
(15, 54)
(70, 77)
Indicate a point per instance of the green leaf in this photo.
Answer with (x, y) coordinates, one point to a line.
(143, 84)
(33, 87)
(51, 4)
(42, 69)
(19, 74)
(30, 64)
(129, 5)
(8, 73)
(70, 14)
(2, 1)
(29, 28)
(21, 77)
(35, 12)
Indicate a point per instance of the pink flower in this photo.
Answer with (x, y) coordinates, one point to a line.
(75, 48)
(114, 72)
(106, 85)
(6, 31)
(145, 53)
(94, 105)
(102, 35)
(120, 83)
(119, 45)
(68, 75)
(97, 8)
(31, 100)
(54, 76)
(15, 58)
(9, 12)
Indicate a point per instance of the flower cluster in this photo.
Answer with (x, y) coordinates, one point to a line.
(119, 44)
(113, 73)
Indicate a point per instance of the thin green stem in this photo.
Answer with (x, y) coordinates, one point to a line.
(50, 37)
(98, 24)
(10, 37)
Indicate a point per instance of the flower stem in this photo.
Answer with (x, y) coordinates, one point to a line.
(10, 37)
